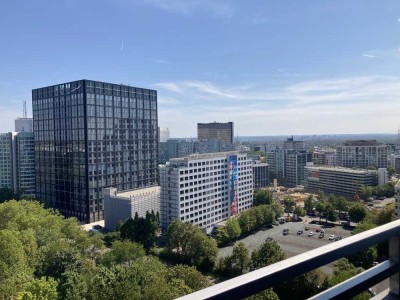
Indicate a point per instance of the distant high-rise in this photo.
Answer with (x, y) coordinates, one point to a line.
(215, 131)
(164, 134)
(291, 144)
(362, 154)
(17, 158)
(90, 135)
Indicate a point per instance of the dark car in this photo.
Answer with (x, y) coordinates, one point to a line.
(338, 238)
(285, 231)
(269, 226)
(321, 235)
(381, 198)
(299, 232)
(307, 228)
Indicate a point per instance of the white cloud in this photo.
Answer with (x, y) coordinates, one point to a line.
(159, 61)
(188, 7)
(369, 55)
(338, 105)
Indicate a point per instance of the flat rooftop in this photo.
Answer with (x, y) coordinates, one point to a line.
(343, 170)
(139, 192)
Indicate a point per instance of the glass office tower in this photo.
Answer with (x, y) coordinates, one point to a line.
(90, 135)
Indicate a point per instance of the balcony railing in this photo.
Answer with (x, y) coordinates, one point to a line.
(253, 282)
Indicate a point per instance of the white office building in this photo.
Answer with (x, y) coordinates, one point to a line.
(205, 189)
(120, 206)
(17, 158)
(164, 134)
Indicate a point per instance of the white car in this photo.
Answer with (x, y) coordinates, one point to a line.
(310, 233)
(332, 237)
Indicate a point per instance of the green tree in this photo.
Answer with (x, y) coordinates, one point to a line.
(309, 203)
(299, 211)
(237, 263)
(330, 213)
(267, 294)
(289, 203)
(303, 286)
(186, 242)
(357, 212)
(233, 229)
(391, 171)
(72, 286)
(123, 252)
(14, 270)
(40, 289)
(189, 275)
(268, 253)
(320, 208)
(343, 270)
(262, 196)
(366, 192)
(142, 230)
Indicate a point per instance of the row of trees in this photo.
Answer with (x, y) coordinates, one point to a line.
(45, 256)
(386, 190)
(247, 222)
(328, 208)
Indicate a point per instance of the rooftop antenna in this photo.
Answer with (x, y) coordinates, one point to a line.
(24, 114)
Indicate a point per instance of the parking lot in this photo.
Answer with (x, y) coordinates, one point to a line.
(292, 244)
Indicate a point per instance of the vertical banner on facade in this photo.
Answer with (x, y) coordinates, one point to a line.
(233, 185)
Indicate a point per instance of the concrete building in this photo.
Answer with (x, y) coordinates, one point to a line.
(6, 160)
(215, 131)
(120, 206)
(17, 158)
(176, 148)
(395, 162)
(164, 134)
(205, 189)
(324, 157)
(362, 154)
(295, 162)
(338, 180)
(91, 135)
(383, 176)
(291, 144)
(24, 124)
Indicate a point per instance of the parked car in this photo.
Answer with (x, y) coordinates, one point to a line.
(317, 230)
(338, 238)
(307, 228)
(285, 231)
(269, 226)
(332, 237)
(311, 233)
(370, 204)
(275, 223)
(381, 198)
(299, 232)
(321, 235)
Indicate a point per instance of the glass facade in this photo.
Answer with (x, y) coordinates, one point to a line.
(90, 135)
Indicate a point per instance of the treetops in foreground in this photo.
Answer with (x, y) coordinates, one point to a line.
(46, 256)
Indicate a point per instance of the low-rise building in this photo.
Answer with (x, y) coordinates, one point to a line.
(120, 206)
(339, 181)
(205, 189)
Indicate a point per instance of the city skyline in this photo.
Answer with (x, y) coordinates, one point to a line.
(271, 68)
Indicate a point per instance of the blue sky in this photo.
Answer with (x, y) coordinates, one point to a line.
(272, 67)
